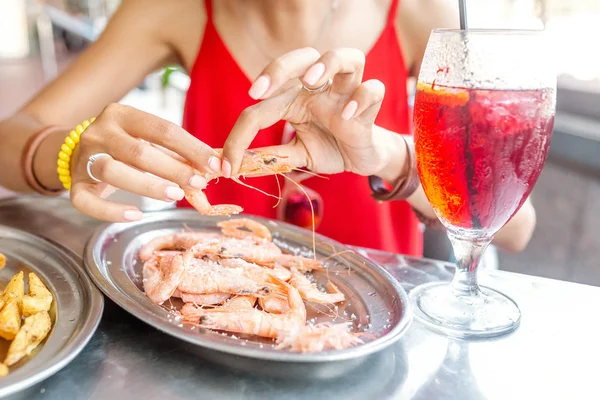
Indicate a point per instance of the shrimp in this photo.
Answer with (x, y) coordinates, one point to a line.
(173, 241)
(302, 264)
(204, 276)
(316, 338)
(309, 291)
(190, 312)
(256, 271)
(254, 164)
(204, 299)
(250, 320)
(246, 249)
(232, 228)
(198, 200)
(161, 276)
(272, 303)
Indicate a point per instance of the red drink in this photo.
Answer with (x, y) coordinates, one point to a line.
(480, 152)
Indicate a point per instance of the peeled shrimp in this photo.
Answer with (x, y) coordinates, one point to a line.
(309, 291)
(161, 276)
(174, 241)
(199, 201)
(315, 338)
(233, 228)
(250, 320)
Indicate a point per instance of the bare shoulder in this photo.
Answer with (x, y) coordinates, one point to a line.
(414, 21)
(178, 24)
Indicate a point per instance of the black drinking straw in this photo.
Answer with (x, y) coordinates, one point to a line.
(462, 9)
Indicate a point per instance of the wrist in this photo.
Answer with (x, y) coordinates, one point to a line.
(396, 164)
(44, 160)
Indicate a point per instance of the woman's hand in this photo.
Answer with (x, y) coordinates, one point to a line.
(335, 129)
(137, 142)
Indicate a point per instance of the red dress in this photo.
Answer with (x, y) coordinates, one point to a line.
(219, 92)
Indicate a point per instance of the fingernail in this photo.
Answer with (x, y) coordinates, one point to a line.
(314, 73)
(259, 87)
(349, 110)
(197, 182)
(174, 193)
(133, 215)
(226, 169)
(214, 164)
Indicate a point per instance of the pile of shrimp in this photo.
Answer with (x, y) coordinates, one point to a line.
(239, 281)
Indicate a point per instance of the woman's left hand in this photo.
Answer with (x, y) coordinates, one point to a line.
(335, 129)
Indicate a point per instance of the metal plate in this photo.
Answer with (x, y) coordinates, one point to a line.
(75, 313)
(376, 303)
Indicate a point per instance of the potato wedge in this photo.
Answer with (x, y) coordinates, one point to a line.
(15, 289)
(3, 370)
(34, 330)
(2, 260)
(39, 297)
(10, 319)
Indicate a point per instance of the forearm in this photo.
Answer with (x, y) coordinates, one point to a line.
(514, 236)
(14, 135)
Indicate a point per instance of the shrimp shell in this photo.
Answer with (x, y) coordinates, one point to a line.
(161, 276)
(250, 320)
(316, 338)
(232, 228)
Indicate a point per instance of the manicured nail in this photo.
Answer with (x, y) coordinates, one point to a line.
(133, 215)
(214, 164)
(259, 87)
(349, 111)
(314, 73)
(226, 169)
(174, 193)
(197, 182)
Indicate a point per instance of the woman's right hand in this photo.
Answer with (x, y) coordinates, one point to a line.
(138, 142)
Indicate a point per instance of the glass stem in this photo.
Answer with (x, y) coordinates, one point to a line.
(468, 253)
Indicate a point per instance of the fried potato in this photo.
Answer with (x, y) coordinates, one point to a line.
(34, 330)
(15, 289)
(3, 370)
(39, 297)
(10, 319)
(2, 260)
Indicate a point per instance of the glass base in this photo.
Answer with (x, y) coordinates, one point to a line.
(486, 314)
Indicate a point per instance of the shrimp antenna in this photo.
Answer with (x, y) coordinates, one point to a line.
(312, 212)
(308, 172)
(255, 188)
(279, 191)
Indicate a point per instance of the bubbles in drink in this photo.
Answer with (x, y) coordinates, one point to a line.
(480, 152)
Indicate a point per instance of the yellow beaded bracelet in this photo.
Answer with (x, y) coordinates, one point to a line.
(64, 155)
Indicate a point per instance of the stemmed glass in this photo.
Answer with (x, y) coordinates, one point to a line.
(483, 116)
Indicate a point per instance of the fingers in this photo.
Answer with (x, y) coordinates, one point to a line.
(86, 198)
(365, 102)
(122, 176)
(291, 65)
(345, 65)
(146, 157)
(162, 132)
(136, 153)
(250, 121)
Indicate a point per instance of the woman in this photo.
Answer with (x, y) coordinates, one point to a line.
(221, 44)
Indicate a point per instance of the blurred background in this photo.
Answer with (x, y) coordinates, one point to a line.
(40, 38)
